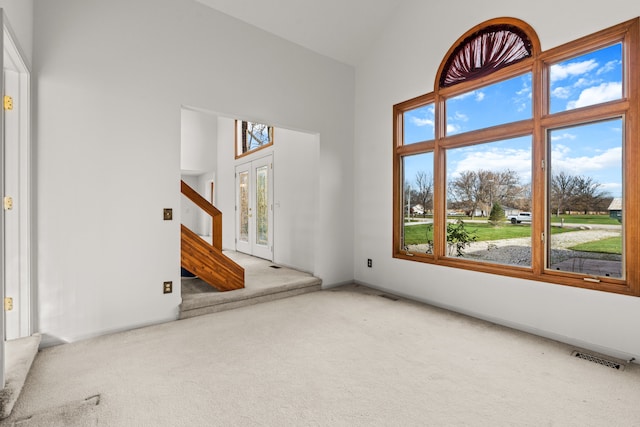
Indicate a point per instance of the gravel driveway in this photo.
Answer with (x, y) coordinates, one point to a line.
(518, 251)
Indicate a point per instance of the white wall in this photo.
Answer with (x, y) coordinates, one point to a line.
(402, 65)
(296, 183)
(189, 212)
(226, 185)
(19, 13)
(111, 77)
(198, 141)
(198, 160)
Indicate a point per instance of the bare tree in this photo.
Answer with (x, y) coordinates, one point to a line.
(424, 183)
(508, 188)
(523, 200)
(587, 195)
(466, 190)
(258, 134)
(577, 193)
(562, 189)
(483, 188)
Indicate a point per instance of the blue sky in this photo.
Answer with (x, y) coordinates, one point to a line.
(593, 150)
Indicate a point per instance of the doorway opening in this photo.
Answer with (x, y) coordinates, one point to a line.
(254, 208)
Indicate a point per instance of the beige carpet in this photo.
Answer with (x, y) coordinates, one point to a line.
(328, 358)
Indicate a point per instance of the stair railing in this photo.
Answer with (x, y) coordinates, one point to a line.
(205, 259)
(216, 215)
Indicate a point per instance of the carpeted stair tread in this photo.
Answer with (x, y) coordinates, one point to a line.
(206, 303)
(19, 355)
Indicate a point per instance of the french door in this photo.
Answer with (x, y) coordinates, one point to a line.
(254, 208)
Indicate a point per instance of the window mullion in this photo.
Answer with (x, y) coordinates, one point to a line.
(440, 192)
(539, 226)
(632, 157)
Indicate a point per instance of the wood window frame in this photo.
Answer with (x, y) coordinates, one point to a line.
(541, 122)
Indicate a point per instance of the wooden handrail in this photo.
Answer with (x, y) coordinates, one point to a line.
(202, 203)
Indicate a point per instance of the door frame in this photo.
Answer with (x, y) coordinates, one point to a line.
(2, 233)
(20, 181)
(251, 247)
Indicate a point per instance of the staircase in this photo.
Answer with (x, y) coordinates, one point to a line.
(205, 259)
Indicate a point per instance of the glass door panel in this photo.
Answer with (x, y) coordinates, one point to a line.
(243, 207)
(262, 202)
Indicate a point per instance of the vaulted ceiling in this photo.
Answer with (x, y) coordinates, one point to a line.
(340, 29)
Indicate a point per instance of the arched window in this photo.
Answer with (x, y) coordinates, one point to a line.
(489, 49)
(520, 162)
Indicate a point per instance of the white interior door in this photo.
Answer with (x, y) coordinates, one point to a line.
(254, 208)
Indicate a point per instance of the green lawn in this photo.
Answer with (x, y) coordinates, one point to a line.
(585, 219)
(568, 219)
(611, 245)
(417, 234)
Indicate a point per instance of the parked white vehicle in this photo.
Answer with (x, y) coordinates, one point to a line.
(521, 217)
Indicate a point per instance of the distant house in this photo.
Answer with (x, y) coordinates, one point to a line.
(615, 208)
(510, 211)
(417, 210)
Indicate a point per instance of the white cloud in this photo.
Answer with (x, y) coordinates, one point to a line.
(559, 151)
(460, 116)
(583, 165)
(473, 93)
(582, 82)
(451, 129)
(479, 96)
(522, 100)
(597, 94)
(609, 66)
(498, 159)
(562, 71)
(421, 122)
(561, 92)
(560, 137)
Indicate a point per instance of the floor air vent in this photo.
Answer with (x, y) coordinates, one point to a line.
(392, 298)
(598, 359)
(275, 266)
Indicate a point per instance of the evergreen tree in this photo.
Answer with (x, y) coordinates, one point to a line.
(496, 217)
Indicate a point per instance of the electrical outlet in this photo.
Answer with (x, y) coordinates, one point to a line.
(167, 287)
(369, 263)
(167, 214)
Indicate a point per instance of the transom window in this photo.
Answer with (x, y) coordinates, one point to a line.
(522, 162)
(252, 136)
